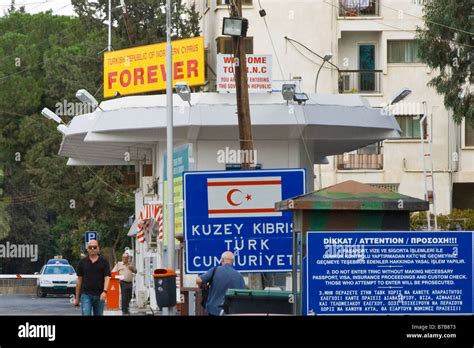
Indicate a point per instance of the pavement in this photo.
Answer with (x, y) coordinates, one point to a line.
(57, 305)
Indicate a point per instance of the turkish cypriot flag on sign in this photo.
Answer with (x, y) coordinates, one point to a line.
(143, 69)
(243, 197)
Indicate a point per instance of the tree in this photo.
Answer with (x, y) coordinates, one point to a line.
(45, 59)
(140, 22)
(447, 44)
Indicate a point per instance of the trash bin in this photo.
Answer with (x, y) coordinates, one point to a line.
(113, 292)
(239, 301)
(165, 287)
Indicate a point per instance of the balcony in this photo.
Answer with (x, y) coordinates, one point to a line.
(359, 8)
(360, 81)
(359, 161)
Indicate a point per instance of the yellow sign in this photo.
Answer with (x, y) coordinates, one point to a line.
(178, 209)
(143, 69)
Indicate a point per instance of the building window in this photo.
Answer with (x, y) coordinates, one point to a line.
(403, 51)
(225, 45)
(227, 2)
(358, 8)
(410, 126)
(468, 134)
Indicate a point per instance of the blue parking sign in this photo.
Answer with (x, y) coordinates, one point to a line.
(91, 235)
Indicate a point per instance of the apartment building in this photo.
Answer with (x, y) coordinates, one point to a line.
(374, 54)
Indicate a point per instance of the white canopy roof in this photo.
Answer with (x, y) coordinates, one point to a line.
(333, 123)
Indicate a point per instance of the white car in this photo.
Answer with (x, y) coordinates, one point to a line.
(56, 277)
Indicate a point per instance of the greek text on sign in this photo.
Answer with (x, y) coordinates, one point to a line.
(259, 73)
(143, 69)
(388, 273)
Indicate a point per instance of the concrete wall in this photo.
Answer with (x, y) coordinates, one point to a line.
(17, 286)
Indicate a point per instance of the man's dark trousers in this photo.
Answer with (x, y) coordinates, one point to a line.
(126, 289)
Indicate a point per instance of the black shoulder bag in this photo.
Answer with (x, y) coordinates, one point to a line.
(205, 289)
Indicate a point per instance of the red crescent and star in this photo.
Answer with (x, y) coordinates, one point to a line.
(248, 197)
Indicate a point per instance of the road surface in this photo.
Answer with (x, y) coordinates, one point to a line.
(13, 304)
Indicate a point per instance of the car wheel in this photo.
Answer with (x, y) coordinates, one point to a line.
(40, 293)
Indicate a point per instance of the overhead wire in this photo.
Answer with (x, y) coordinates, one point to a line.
(292, 41)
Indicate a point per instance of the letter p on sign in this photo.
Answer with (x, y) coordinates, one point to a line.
(91, 235)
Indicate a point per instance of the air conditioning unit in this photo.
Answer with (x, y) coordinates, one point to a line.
(148, 186)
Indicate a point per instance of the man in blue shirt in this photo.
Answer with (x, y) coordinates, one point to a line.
(223, 278)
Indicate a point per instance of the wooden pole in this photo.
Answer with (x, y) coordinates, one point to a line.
(242, 91)
(243, 111)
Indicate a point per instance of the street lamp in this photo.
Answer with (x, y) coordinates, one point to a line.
(87, 98)
(396, 98)
(235, 26)
(326, 58)
(51, 116)
(183, 90)
(400, 95)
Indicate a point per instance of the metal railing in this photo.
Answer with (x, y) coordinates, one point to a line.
(359, 161)
(360, 81)
(359, 8)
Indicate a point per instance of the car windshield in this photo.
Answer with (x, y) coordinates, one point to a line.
(59, 270)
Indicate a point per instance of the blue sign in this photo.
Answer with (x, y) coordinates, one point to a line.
(235, 210)
(388, 273)
(91, 235)
(182, 161)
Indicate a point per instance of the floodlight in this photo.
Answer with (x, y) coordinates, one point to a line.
(300, 98)
(51, 115)
(183, 90)
(87, 98)
(288, 91)
(235, 26)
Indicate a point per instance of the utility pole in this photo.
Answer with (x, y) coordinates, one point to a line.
(109, 46)
(242, 90)
(169, 142)
(243, 111)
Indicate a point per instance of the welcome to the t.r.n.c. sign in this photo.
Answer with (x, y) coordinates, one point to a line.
(143, 69)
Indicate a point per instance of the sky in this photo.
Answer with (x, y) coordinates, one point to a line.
(60, 7)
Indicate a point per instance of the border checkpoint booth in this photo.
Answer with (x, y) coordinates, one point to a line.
(131, 131)
(348, 206)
